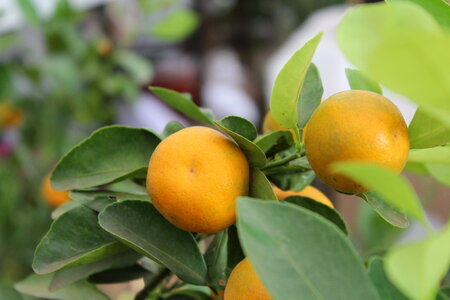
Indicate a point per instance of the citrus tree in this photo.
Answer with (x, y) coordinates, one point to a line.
(196, 213)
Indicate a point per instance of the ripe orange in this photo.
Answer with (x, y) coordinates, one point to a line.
(194, 177)
(10, 116)
(244, 283)
(355, 126)
(51, 196)
(309, 191)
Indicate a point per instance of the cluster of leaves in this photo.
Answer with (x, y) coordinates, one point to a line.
(112, 233)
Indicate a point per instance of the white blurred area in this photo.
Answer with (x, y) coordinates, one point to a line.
(329, 59)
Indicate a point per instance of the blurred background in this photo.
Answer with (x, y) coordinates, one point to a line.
(69, 67)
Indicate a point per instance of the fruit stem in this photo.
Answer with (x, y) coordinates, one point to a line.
(298, 142)
(280, 162)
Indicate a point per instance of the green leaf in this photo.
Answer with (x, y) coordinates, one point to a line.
(29, 12)
(275, 142)
(260, 186)
(418, 268)
(444, 294)
(440, 172)
(319, 208)
(436, 155)
(399, 56)
(68, 276)
(241, 126)
(37, 285)
(187, 294)
(386, 290)
(74, 239)
(138, 67)
(98, 200)
(390, 213)
(171, 128)
(426, 131)
(64, 208)
(182, 104)
(119, 275)
(235, 252)
(393, 188)
(289, 82)
(140, 226)
(109, 154)
(310, 96)
(439, 9)
(359, 81)
(216, 258)
(177, 25)
(9, 293)
(295, 181)
(254, 154)
(309, 256)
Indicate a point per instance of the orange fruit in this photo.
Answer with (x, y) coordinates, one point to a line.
(51, 196)
(309, 191)
(355, 126)
(194, 177)
(244, 283)
(10, 116)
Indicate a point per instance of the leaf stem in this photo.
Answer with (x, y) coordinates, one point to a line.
(160, 276)
(280, 161)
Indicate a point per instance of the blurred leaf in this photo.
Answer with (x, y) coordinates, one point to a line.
(308, 254)
(275, 141)
(441, 172)
(260, 186)
(171, 128)
(319, 208)
(241, 126)
(295, 181)
(359, 81)
(108, 154)
(399, 56)
(386, 290)
(417, 168)
(426, 131)
(140, 226)
(310, 95)
(68, 276)
(393, 188)
(74, 239)
(216, 258)
(9, 293)
(288, 85)
(254, 154)
(119, 275)
(178, 25)
(182, 104)
(37, 285)
(29, 12)
(417, 268)
(439, 9)
(438, 155)
(390, 213)
(140, 69)
(63, 71)
(444, 293)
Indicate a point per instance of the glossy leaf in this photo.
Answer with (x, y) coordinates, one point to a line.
(241, 126)
(393, 188)
(308, 254)
(426, 131)
(182, 104)
(399, 57)
(109, 154)
(254, 154)
(310, 96)
(171, 128)
(177, 25)
(391, 214)
(37, 285)
(437, 155)
(295, 181)
(386, 290)
(275, 142)
(260, 186)
(418, 268)
(98, 200)
(216, 258)
(359, 81)
(439, 9)
(70, 275)
(74, 239)
(319, 208)
(289, 82)
(140, 226)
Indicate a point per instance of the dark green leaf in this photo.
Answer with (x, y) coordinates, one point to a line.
(311, 95)
(309, 256)
(254, 154)
(319, 208)
(426, 131)
(37, 285)
(9, 293)
(260, 186)
(182, 104)
(216, 258)
(139, 225)
(235, 252)
(439, 9)
(275, 142)
(74, 239)
(295, 181)
(389, 213)
(67, 276)
(386, 290)
(109, 154)
(98, 200)
(444, 293)
(171, 128)
(119, 275)
(186, 294)
(64, 208)
(241, 126)
(359, 81)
